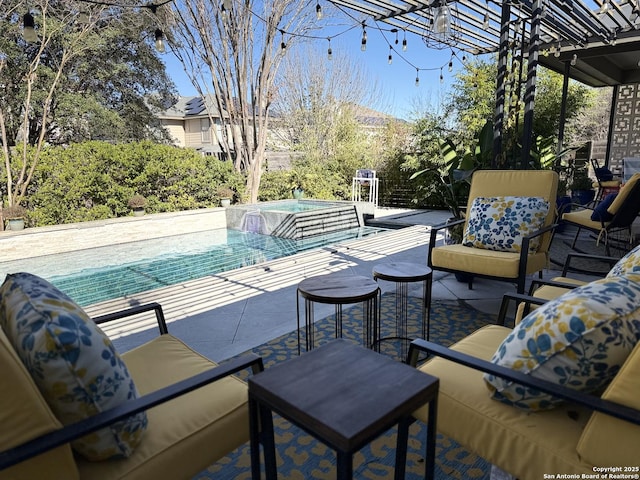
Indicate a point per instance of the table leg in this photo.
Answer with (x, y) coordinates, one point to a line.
(344, 466)
(402, 306)
(309, 324)
(261, 431)
(338, 319)
(401, 447)
(254, 436)
(426, 305)
(298, 317)
(430, 455)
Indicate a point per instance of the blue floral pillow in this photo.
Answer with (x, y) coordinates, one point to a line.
(500, 223)
(579, 340)
(630, 263)
(73, 363)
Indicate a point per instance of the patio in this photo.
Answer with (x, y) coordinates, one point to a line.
(228, 313)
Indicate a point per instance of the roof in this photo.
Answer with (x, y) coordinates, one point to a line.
(601, 33)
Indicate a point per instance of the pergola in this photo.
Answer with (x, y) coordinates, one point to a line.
(594, 42)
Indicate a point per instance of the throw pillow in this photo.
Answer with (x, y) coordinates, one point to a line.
(500, 223)
(579, 340)
(73, 363)
(603, 174)
(630, 263)
(601, 213)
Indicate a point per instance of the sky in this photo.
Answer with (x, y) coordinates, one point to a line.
(400, 96)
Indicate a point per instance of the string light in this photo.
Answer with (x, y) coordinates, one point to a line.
(159, 41)
(485, 22)
(441, 22)
(283, 46)
(557, 52)
(574, 59)
(29, 30)
(226, 8)
(464, 58)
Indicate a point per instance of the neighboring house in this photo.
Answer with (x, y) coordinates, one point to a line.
(191, 126)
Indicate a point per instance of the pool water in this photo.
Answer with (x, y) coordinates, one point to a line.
(98, 274)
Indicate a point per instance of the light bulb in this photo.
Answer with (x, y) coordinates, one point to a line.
(363, 45)
(485, 22)
(329, 54)
(450, 65)
(160, 41)
(29, 31)
(404, 44)
(574, 59)
(443, 20)
(390, 59)
(418, 77)
(318, 11)
(441, 77)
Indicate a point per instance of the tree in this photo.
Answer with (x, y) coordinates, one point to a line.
(231, 51)
(473, 103)
(78, 80)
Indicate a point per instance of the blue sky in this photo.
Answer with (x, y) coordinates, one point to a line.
(397, 81)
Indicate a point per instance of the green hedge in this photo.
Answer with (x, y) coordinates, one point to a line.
(94, 180)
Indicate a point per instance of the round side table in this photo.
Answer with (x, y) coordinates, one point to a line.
(403, 273)
(339, 289)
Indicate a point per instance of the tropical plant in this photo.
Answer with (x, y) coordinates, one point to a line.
(453, 179)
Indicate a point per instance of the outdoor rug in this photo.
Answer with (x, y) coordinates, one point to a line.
(301, 457)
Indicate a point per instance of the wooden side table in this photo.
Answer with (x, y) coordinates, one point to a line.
(403, 273)
(339, 289)
(345, 396)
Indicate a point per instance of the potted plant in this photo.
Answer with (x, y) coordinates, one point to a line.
(581, 187)
(137, 204)
(297, 183)
(14, 215)
(226, 195)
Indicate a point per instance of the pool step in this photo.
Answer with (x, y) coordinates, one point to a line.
(308, 224)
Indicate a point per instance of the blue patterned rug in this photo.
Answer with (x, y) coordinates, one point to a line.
(301, 457)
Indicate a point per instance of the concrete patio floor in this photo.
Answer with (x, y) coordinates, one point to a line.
(225, 314)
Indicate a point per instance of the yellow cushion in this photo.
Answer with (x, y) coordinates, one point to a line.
(607, 440)
(583, 218)
(186, 434)
(526, 445)
(549, 292)
(486, 262)
(623, 193)
(25, 415)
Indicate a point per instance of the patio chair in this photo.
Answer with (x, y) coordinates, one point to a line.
(606, 182)
(507, 228)
(616, 217)
(534, 422)
(188, 411)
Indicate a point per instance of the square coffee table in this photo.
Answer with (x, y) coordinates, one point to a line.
(344, 395)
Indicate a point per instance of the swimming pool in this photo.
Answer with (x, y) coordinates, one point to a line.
(103, 273)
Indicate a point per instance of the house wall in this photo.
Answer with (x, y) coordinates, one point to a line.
(176, 130)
